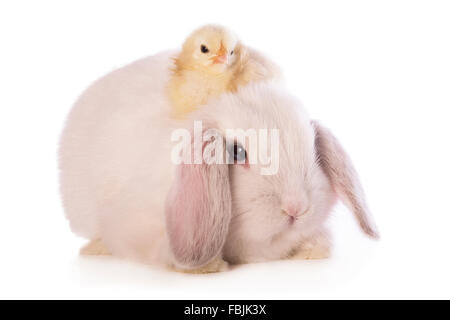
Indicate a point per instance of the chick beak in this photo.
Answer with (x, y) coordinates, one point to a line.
(221, 56)
(220, 59)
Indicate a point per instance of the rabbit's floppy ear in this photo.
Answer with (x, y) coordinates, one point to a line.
(198, 209)
(340, 171)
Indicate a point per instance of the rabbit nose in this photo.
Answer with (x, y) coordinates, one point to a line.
(293, 208)
(292, 211)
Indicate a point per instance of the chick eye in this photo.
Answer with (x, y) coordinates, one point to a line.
(237, 153)
(204, 49)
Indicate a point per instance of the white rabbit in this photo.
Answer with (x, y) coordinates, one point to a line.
(122, 191)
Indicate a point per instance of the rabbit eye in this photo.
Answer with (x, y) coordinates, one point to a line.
(204, 49)
(232, 51)
(237, 153)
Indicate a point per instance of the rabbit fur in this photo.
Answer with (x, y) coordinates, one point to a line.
(121, 190)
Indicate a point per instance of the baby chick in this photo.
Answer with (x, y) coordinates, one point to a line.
(213, 61)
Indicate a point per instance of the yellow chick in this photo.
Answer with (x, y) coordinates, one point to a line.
(211, 62)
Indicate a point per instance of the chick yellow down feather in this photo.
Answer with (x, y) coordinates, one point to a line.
(213, 61)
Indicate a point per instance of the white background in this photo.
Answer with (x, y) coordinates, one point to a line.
(376, 72)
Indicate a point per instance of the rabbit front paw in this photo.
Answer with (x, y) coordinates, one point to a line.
(216, 265)
(318, 247)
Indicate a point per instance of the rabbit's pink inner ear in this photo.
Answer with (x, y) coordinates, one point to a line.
(338, 167)
(198, 212)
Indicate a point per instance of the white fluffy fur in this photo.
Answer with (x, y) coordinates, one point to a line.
(116, 170)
